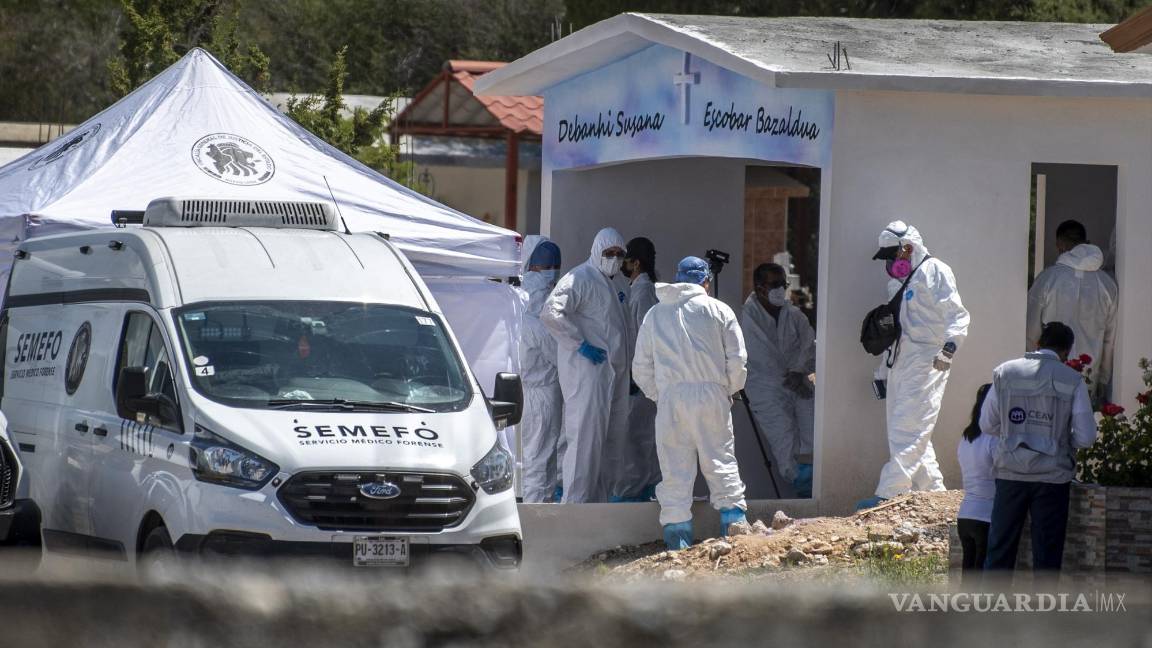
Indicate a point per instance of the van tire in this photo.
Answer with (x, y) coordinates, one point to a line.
(158, 560)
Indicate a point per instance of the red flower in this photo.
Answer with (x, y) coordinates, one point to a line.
(1144, 398)
(1085, 359)
(1076, 364)
(1111, 409)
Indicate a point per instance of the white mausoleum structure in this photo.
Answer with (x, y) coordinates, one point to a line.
(661, 125)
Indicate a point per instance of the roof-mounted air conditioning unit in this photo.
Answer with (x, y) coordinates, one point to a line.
(216, 212)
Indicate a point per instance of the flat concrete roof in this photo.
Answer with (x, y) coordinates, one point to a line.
(972, 57)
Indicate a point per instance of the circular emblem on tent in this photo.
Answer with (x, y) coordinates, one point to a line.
(68, 144)
(77, 358)
(233, 159)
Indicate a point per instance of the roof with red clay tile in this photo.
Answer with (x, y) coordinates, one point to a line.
(464, 113)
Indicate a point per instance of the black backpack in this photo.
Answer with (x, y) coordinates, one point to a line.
(881, 328)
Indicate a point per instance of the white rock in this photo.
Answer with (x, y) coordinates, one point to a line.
(675, 574)
(906, 534)
(780, 520)
(719, 549)
(795, 557)
(739, 529)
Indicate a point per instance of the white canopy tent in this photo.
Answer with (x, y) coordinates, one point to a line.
(197, 130)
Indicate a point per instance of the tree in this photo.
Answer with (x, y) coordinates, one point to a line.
(158, 32)
(48, 51)
(361, 135)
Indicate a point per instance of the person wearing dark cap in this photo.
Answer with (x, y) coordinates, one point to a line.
(640, 467)
(1039, 411)
(933, 325)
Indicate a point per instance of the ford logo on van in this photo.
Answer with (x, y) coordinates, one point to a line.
(380, 490)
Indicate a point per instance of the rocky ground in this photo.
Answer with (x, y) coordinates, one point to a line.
(905, 538)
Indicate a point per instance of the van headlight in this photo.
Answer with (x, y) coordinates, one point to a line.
(217, 460)
(494, 471)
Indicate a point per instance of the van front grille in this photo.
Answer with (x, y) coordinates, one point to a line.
(336, 500)
(7, 476)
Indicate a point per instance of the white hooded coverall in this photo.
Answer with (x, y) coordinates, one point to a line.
(641, 467)
(540, 427)
(775, 348)
(587, 306)
(690, 359)
(1077, 292)
(930, 316)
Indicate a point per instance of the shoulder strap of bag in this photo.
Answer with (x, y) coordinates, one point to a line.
(894, 305)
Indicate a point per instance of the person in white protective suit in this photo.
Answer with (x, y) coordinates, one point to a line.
(641, 468)
(540, 427)
(1077, 292)
(586, 315)
(690, 359)
(933, 324)
(781, 356)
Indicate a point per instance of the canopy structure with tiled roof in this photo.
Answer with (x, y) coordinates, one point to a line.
(448, 107)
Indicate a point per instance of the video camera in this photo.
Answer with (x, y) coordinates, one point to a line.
(717, 260)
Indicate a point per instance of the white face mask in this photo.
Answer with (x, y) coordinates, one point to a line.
(539, 280)
(610, 266)
(778, 296)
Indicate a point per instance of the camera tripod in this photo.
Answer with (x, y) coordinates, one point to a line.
(716, 262)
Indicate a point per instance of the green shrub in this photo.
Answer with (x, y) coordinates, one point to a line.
(1122, 454)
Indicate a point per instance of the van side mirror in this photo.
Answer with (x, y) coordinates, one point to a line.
(507, 400)
(131, 388)
(132, 398)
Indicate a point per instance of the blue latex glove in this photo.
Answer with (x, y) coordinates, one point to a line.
(595, 355)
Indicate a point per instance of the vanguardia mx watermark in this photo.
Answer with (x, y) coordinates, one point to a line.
(1099, 602)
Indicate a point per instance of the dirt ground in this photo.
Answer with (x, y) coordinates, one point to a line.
(906, 535)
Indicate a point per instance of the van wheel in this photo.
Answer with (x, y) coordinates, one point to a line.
(158, 560)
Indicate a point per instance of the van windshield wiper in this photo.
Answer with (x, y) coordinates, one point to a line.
(340, 403)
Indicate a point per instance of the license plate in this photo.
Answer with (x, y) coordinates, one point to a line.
(376, 551)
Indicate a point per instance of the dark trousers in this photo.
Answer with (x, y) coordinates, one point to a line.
(974, 540)
(1048, 506)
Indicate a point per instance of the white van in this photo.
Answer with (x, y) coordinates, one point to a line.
(19, 518)
(243, 378)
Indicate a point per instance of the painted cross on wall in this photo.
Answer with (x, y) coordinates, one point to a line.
(685, 79)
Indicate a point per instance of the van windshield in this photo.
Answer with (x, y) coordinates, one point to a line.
(308, 354)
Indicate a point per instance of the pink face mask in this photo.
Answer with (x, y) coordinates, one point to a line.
(899, 268)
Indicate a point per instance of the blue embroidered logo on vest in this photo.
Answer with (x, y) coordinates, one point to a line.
(1017, 415)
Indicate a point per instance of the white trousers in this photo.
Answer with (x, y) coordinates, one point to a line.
(915, 391)
(694, 428)
(540, 429)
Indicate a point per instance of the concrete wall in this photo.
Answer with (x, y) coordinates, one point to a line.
(479, 192)
(686, 206)
(959, 168)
